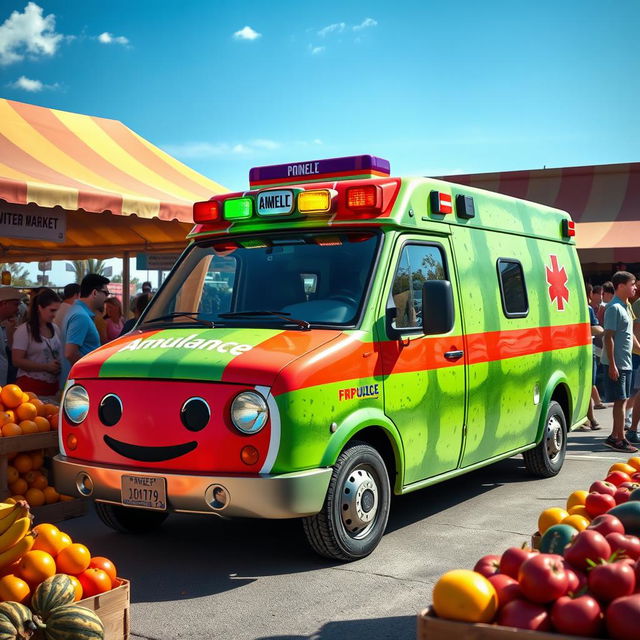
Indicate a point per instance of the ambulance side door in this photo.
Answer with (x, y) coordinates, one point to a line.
(424, 375)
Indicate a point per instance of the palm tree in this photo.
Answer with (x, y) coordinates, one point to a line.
(19, 274)
(82, 267)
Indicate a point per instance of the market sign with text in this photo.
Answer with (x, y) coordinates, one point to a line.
(35, 225)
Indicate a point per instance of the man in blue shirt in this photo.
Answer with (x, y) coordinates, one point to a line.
(616, 355)
(80, 335)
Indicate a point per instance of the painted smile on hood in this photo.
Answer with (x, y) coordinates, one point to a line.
(149, 454)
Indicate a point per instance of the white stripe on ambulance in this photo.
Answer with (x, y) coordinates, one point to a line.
(233, 348)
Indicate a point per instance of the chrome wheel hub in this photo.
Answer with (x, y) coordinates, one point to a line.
(554, 438)
(359, 502)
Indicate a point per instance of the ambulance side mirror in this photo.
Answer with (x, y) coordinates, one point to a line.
(437, 307)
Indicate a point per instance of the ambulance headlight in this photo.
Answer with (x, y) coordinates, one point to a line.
(76, 403)
(249, 412)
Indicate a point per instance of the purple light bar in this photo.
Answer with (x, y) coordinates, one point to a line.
(314, 170)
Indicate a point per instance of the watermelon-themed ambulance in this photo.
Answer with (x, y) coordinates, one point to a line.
(330, 337)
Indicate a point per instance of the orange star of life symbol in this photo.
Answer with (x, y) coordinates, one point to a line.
(557, 279)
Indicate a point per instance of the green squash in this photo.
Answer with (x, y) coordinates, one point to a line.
(18, 615)
(72, 622)
(53, 592)
(629, 514)
(556, 538)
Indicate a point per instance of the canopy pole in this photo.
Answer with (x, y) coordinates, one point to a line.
(126, 276)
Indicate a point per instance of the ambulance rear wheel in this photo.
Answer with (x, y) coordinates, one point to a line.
(546, 459)
(129, 519)
(356, 508)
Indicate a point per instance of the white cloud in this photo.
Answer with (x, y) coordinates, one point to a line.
(34, 86)
(337, 27)
(262, 143)
(247, 33)
(109, 38)
(28, 32)
(365, 24)
(197, 150)
(316, 50)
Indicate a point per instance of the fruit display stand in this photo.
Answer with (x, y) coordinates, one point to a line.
(47, 440)
(112, 607)
(432, 628)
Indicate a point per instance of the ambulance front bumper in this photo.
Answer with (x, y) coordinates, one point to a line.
(288, 495)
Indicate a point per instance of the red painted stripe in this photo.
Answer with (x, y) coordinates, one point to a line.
(13, 191)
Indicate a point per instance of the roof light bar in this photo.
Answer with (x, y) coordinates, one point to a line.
(365, 198)
(238, 209)
(315, 201)
(204, 212)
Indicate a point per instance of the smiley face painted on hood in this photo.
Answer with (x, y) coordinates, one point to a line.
(155, 424)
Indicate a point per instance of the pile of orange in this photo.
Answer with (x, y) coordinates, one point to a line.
(54, 552)
(22, 412)
(28, 479)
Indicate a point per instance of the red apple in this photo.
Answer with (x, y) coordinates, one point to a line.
(488, 565)
(622, 495)
(606, 523)
(512, 558)
(587, 545)
(542, 578)
(628, 546)
(577, 579)
(598, 503)
(506, 587)
(524, 615)
(581, 616)
(612, 580)
(601, 486)
(618, 477)
(623, 618)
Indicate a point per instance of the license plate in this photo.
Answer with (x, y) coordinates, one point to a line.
(144, 491)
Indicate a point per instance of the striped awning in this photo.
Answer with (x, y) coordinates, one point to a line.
(121, 192)
(604, 200)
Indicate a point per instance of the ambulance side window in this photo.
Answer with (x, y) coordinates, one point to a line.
(512, 288)
(418, 263)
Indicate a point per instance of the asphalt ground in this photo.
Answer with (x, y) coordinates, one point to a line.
(200, 577)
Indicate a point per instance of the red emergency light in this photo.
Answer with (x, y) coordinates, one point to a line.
(365, 198)
(209, 211)
(568, 228)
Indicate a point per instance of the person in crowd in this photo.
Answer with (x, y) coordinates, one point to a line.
(9, 305)
(113, 318)
(37, 347)
(596, 297)
(70, 294)
(619, 340)
(141, 304)
(146, 290)
(596, 330)
(598, 344)
(608, 291)
(80, 335)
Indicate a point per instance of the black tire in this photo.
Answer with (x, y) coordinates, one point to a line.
(546, 459)
(129, 519)
(356, 508)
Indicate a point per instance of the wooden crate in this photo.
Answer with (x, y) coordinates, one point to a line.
(59, 511)
(535, 540)
(432, 628)
(112, 608)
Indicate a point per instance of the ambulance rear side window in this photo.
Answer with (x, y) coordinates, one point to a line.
(512, 288)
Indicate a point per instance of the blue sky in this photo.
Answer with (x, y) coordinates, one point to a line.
(434, 87)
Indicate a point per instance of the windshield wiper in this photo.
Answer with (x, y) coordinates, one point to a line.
(283, 315)
(179, 314)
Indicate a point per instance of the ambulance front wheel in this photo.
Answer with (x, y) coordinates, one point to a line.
(129, 519)
(356, 508)
(547, 458)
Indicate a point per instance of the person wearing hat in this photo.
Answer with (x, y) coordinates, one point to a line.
(9, 303)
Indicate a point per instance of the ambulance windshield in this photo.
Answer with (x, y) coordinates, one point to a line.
(283, 279)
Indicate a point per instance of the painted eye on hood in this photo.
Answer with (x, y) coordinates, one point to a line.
(195, 414)
(110, 410)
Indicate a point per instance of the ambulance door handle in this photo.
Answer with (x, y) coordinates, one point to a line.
(453, 355)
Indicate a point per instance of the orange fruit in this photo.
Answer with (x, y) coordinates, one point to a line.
(39, 405)
(466, 596)
(26, 411)
(579, 510)
(11, 395)
(624, 467)
(73, 559)
(36, 566)
(53, 420)
(32, 395)
(576, 498)
(40, 482)
(78, 587)
(11, 429)
(50, 409)
(634, 461)
(37, 459)
(25, 397)
(51, 495)
(4, 417)
(549, 517)
(35, 497)
(577, 522)
(22, 462)
(14, 589)
(42, 423)
(12, 474)
(28, 426)
(49, 539)
(19, 487)
(66, 538)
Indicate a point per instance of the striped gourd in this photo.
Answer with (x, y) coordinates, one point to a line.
(8, 630)
(18, 615)
(53, 592)
(72, 622)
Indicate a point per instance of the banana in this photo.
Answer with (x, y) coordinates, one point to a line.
(14, 533)
(18, 512)
(6, 508)
(17, 551)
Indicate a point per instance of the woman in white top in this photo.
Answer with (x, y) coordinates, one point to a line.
(37, 346)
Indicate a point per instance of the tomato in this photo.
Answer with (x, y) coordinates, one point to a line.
(622, 495)
(542, 578)
(599, 503)
(628, 546)
(580, 616)
(606, 524)
(465, 595)
(524, 615)
(513, 558)
(587, 545)
(94, 581)
(623, 618)
(100, 562)
(618, 477)
(612, 580)
(506, 587)
(602, 486)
